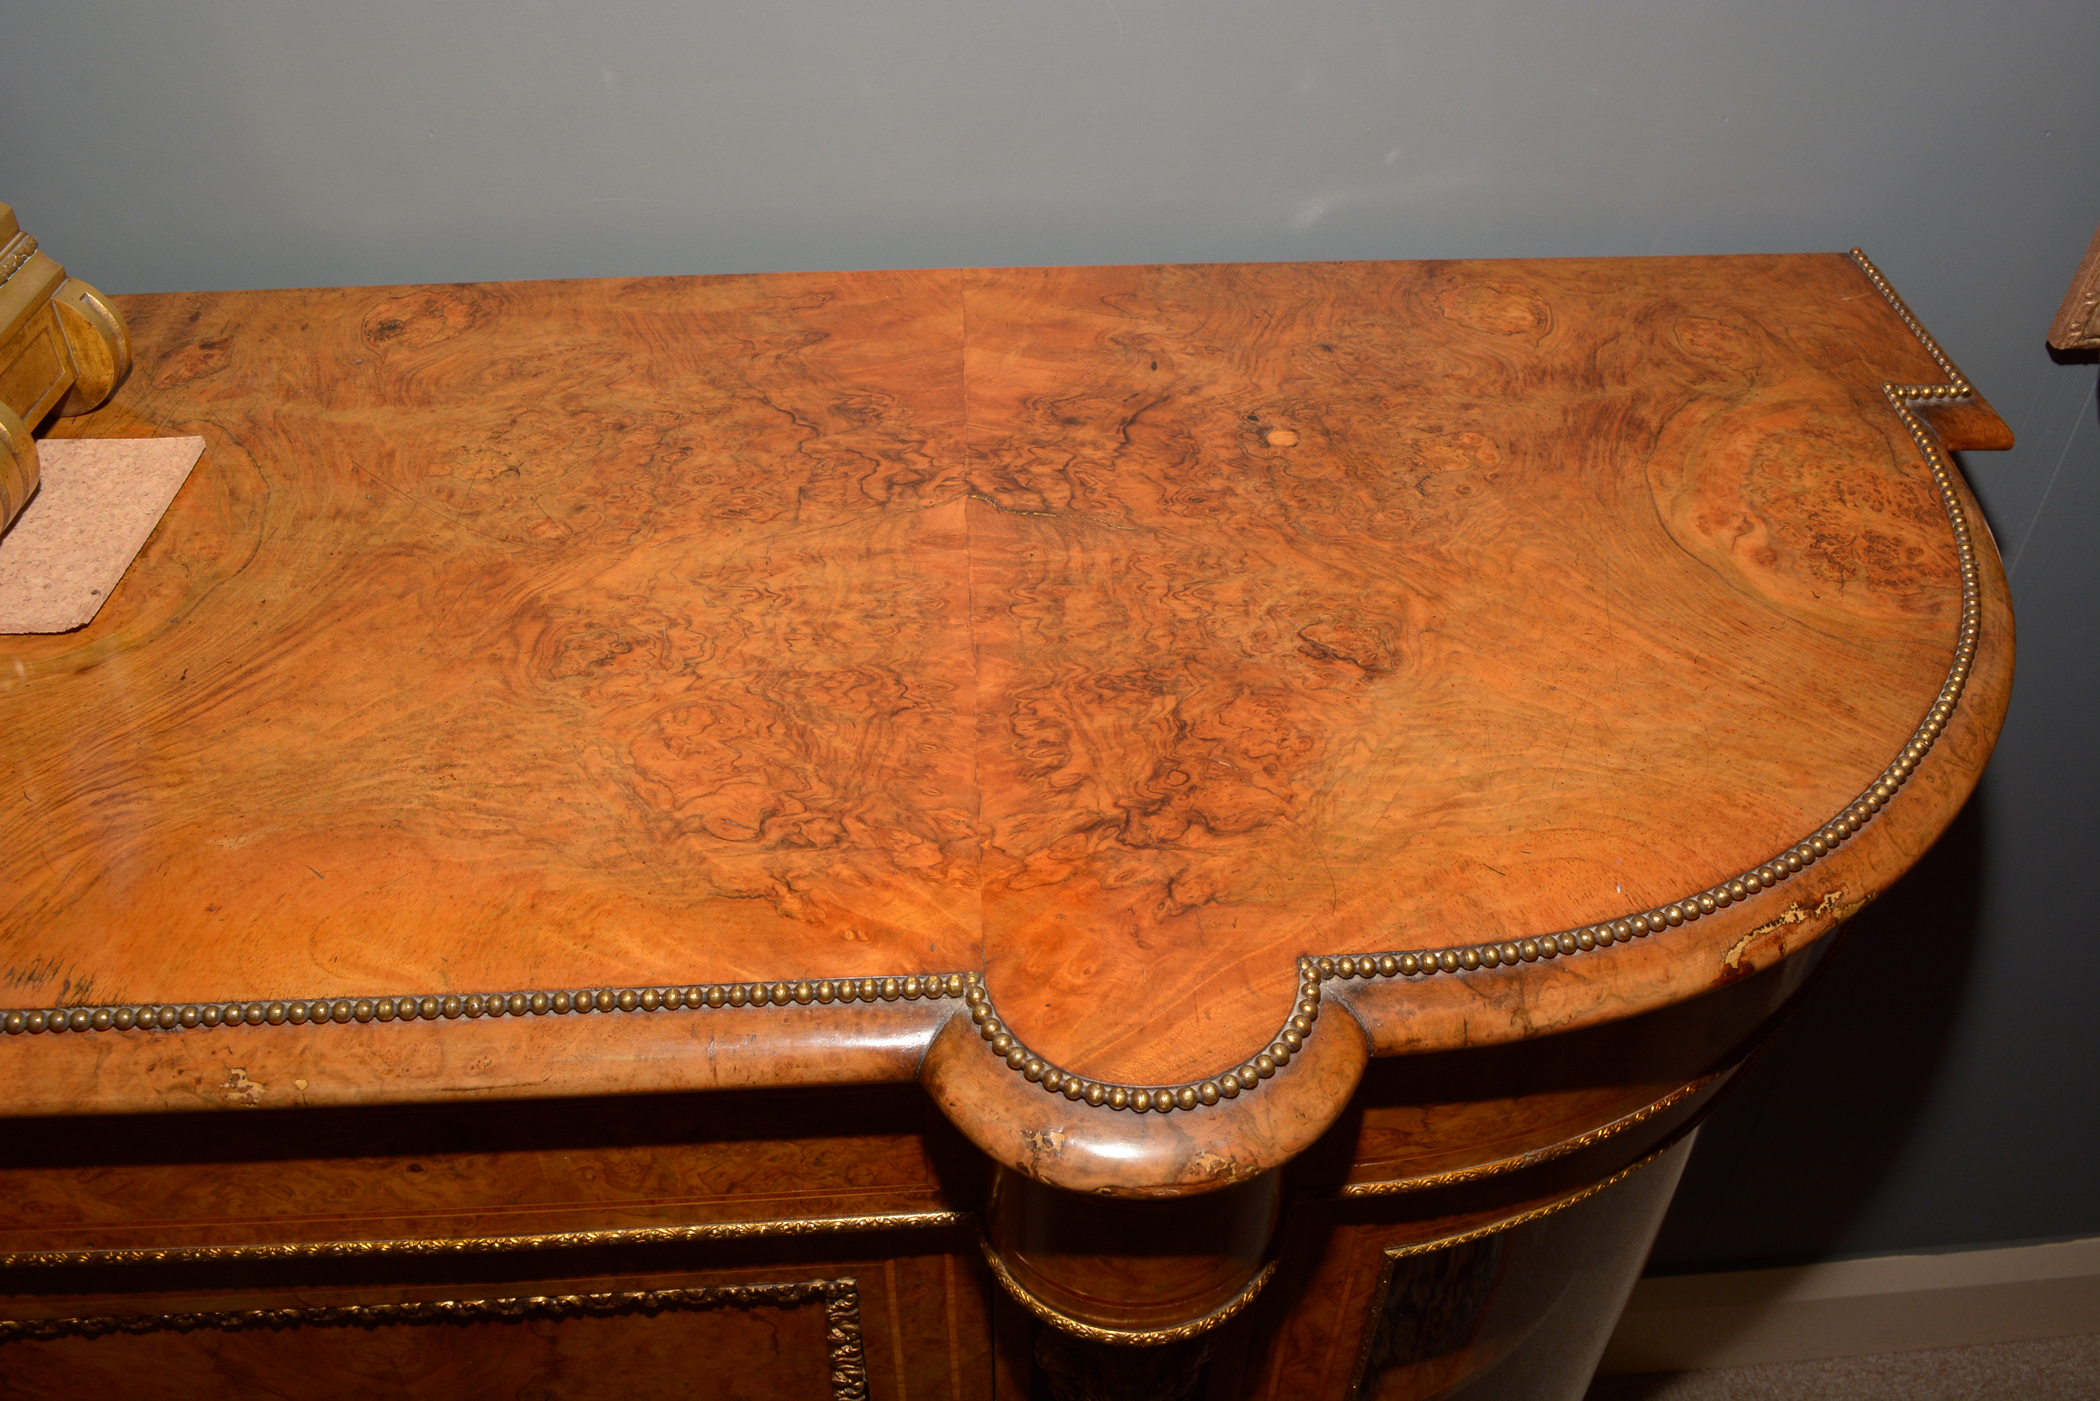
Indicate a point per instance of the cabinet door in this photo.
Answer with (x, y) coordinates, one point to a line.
(910, 1323)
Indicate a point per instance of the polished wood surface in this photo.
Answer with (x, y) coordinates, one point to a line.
(751, 1223)
(636, 788)
(1116, 637)
(1405, 606)
(1128, 1268)
(718, 1167)
(160, 1219)
(769, 1332)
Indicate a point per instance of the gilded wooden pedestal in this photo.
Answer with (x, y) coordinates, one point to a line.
(64, 349)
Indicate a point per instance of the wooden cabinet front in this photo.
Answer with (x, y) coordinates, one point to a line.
(797, 1245)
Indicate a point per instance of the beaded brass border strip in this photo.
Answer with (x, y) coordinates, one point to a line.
(1853, 817)
(1422, 963)
(321, 1011)
(483, 1245)
(1357, 1191)
(1537, 1213)
(1162, 1099)
(1125, 1337)
(1553, 1208)
(840, 1298)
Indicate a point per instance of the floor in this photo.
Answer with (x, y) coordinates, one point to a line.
(2056, 1369)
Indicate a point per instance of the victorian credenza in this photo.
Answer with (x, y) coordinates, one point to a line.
(1161, 831)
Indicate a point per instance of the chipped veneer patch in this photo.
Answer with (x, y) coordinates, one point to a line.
(1832, 904)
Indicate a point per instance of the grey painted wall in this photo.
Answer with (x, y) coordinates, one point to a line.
(1937, 1089)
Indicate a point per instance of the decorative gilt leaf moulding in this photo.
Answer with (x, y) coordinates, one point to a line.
(2077, 323)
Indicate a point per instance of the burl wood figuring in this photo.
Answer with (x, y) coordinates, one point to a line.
(1310, 767)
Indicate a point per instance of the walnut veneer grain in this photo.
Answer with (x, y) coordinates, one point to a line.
(1118, 636)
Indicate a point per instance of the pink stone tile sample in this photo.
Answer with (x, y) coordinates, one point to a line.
(100, 499)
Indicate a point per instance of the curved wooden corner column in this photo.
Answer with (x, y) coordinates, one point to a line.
(1075, 1146)
(1132, 1273)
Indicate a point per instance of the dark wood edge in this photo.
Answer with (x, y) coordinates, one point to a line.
(1685, 1099)
(839, 1299)
(1973, 426)
(288, 1067)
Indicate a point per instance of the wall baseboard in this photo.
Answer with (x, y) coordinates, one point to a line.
(1849, 1308)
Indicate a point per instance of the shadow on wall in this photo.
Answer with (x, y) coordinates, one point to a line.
(1793, 1157)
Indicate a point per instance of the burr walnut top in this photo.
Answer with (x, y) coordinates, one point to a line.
(1113, 639)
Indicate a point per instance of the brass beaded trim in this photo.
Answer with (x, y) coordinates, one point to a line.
(840, 1298)
(1313, 972)
(321, 1011)
(20, 249)
(1849, 821)
(485, 1245)
(1538, 1213)
(1124, 1337)
(1357, 1190)
(1157, 1099)
(1396, 1253)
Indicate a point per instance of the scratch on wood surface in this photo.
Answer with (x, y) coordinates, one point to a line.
(1832, 903)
